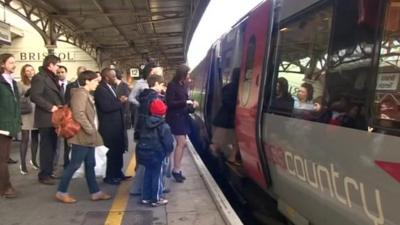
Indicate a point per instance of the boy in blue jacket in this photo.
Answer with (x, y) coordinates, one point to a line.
(156, 86)
(155, 143)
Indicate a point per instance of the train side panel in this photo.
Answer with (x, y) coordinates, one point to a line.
(326, 169)
(330, 174)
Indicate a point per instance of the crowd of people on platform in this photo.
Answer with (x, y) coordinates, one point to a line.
(102, 104)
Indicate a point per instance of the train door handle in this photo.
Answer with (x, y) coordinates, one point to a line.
(258, 80)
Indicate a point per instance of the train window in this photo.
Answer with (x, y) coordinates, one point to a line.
(251, 50)
(324, 67)
(301, 61)
(226, 66)
(350, 64)
(246, 85)
(387, 94)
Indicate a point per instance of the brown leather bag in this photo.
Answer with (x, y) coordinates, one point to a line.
(65, 124)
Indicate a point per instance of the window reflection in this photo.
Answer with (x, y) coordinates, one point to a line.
(328, 66)
(302, 56)
(387, 95)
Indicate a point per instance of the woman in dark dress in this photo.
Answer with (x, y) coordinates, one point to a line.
(178, 116)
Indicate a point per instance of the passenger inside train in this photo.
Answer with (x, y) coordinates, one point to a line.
(224, 137)
(283, 102)
(304, 106)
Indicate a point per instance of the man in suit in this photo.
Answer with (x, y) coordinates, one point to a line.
(62, 73)
(46, 93)
(74, 84)
(111, 125)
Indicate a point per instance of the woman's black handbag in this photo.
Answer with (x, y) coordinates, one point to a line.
(26, 106)
(190, 108)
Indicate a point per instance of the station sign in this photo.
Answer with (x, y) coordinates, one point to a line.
(5, 33)
(134, 72)
(387, 81)
(39, 56)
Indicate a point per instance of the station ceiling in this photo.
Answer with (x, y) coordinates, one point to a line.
(128, 31)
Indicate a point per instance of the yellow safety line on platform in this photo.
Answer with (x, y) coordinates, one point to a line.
(117, 211)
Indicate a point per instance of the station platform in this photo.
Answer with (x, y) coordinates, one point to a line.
(197, 201)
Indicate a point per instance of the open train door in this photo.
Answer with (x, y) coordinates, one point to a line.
(255, 48)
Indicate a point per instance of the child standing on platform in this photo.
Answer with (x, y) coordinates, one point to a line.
(155, 143)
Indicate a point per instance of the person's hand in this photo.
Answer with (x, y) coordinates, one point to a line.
(54, 108)
(317, 107)
(123, 98)
(27, 93)
(195, 104)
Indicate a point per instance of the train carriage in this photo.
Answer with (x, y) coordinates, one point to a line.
(328, 151)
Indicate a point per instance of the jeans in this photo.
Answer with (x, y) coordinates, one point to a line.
(139, 176)
(151, 183)
(80, 154)
(164, 173)
(138, 182)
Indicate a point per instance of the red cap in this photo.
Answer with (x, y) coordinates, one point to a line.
(158, 108)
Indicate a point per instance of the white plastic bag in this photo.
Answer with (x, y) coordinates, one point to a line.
(101, 163)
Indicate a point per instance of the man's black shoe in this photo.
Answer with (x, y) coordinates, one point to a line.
(47, 181)
(180, 174)
(178, 177)
(11, 161)
(124, 178)
(136, 135)
(55, 176)
(112, 181)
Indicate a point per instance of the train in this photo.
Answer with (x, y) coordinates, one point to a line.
(317, 117)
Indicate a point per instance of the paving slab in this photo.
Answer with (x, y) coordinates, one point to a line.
(190, 203)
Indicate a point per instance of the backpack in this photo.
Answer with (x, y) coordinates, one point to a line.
(65, 124)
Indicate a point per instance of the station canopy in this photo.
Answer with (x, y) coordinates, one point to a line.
(121, 31)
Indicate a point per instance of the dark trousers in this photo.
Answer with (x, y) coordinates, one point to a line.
(152, 185)
(67, 150)
(115, 161)
(34, 137)
(80, 154)
(48, 148)
(5, 147)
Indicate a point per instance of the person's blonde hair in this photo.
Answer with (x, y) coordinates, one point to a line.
(25, 79)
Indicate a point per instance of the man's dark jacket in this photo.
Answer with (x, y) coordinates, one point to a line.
(71, 85)
(111, 124)
(45, 93)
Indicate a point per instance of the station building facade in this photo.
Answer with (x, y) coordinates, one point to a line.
(28, 47)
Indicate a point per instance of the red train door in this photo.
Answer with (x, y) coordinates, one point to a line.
(256, 37)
